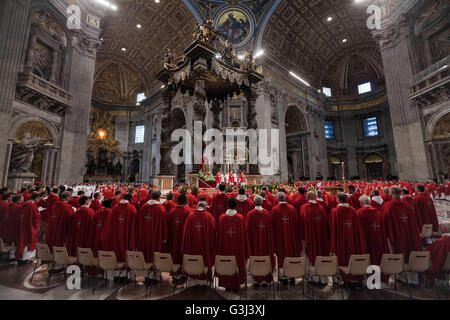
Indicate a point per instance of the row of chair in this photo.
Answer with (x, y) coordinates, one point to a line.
(325, 266)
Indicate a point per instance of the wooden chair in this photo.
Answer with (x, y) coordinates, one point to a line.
(163, 262)
(61, 257)
(226, 266)
(324, 267)
(107, 261)
(393, 265)
(357, 266)
(135, 261)
(87, 260)
(294, 268)
(194, 266)
(419, 262)
(261, 267)
(43, 254)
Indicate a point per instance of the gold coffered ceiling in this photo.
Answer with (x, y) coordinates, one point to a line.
(299, 36)
(166, 24)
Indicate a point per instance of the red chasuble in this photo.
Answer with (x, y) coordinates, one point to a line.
(80, 222)
(244, 206)
(192, 201)
(28, 228)
(96, 229)
(439, 251)
(58, 224)
(10, 223)
(401, 227)
(299, 202)
(375, 234)
(260, 237)
(285, 224)
(176, 219)
(347, 234)
(232, 241)
(151, 230)
(74, 202)
(4, 207)
(267, 205)
(424, 208)
(199, 238)
(354, 200)
(48, 204)
(219, 205)
(95, 205)
(315, 229)
(119, 232)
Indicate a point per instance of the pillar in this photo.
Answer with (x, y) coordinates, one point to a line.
(13, 30)
(396, 52)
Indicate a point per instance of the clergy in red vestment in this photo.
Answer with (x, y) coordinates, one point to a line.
(176, 218)
(320, 200)
(28, 228)
(347, 234)
(424, 207)
(315, 228)
(376, 239)
(192, 200)
(386, 196)
(4, 217)
(58, 222)
(219, 203)
(49, 202)
(80, 222)
(300, 199)
(232, 241)
(12, 220)
(353, 200)
(376, 200)
(75, 201)
(206, 195)
(400, 225)
(117, 197)
(119, 231)
(285, 225)
(151, 228)
(95, 203)
(406, 198)
(244, 205)
(98, 224)
(266, 204)
(260, 236)
(199, 236)
(169, 204)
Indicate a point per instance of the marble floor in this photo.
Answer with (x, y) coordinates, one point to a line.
(16, 284)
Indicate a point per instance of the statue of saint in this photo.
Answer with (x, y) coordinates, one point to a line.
(23, 153)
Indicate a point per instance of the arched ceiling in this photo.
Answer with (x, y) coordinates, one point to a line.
(296, 35)
(300, 37)
(169, 24)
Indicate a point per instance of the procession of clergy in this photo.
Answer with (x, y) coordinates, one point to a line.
(368, 219)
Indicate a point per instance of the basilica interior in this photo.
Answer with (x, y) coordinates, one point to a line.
(83, 87)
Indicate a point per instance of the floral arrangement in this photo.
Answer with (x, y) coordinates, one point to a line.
(205, 177)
